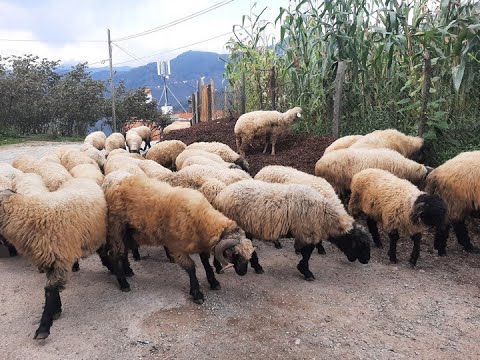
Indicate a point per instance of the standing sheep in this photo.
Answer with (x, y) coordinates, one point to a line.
(412, 147)
(145, 133)
(266, 124)
(176, 125)
(165, 152)
(398, 205)
(96, 139)
(339, 167)
(269, 211)
(114, 141)
(342, 143)
(181, 220)
(457, 182)
(222, 150)
(53, 230)
(134, 141)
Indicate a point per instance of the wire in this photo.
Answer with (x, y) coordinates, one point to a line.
(98, 62)
(179, 48)
(127, 52)
(176, 22)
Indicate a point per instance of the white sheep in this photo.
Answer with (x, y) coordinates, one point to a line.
(176, 125)
(266, 124)
(165, 152)
(342, 143)
(181, 220)
(211, 157)
(134, 141)
(96, 139)
(54, 230)
(398, 205)
(270, 211)
(94, 154)
(145, 133)
(114, 141)
(222, 150)
(457, 182)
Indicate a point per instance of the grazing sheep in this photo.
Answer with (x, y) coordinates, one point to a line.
(9, 172)
(165, 152)
(412, 147)
(70, 158)
(118, 152)
(96, 139)
(181, 220)
(124, 163)
(398, 205)
(54, 175)
(267, 124)
(134, 141)
(222, 150)
(288, 175)
(457, 182)
(114, 141)
(53, 230)
(87, 171)
(153, 169)
(342, 143)
(339, 167)
(187, 153)
(93, 154)
(269, 211)
(176, 125)
(201, 160)
(145, 133)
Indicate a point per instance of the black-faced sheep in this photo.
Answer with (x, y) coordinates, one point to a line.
(165, 152)
(398, 205)
(339, 167)
(53, 230)
(222, 150)
(181, 220)
(269, 211)
(268, 125)
(457, 182)
(412, 147)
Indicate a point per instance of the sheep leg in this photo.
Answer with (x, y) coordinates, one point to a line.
(218, 266)
(52, 304)
(441, 237)
(214, 284)
(255, 264)
(320, 249)
(373, 228)
(136, 254)
(188, 265)
(416, 248)
(104, 258)
(302, 266)
(76, 266)
(12, 251)
(119, 271)
(266, 144)
(463, 238)
(392, 252)
(167, 252)
(126, 266)
(273, 140)
(277, 244)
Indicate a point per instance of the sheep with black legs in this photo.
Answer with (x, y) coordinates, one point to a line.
(53, 230)
(457, 182)
(412, 147)
(222, 150)
(398, 205)
(181, 220)
(339, 167)
(342, 143)
(269, 125)
(145, 133)
(288, 175)
(269, 211)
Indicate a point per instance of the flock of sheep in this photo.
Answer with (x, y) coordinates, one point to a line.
(200, 199)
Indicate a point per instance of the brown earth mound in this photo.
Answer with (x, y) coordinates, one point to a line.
(298, 150)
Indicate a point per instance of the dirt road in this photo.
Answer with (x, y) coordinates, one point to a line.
(351, 311)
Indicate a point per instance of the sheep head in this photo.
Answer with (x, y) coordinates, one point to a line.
(234, 249)
(355, 244)
(430, 209)
(243, 164)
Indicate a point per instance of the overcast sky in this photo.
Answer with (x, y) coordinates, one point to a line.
(62, 25)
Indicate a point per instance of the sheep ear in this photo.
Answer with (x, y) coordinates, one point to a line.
(417, 212)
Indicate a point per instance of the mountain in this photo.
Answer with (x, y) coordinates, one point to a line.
(186, 69)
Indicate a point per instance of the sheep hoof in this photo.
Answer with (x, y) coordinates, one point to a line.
(198, 301)
(40, 335)
(309, 277)
(442, 252)
(215, 286)
(125, 289)
(221, 271)
(57, 315)
(259, 271)
(413, 262)
(472, 249)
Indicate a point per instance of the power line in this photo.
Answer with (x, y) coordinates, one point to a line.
(176, 22)
(98, 62)
(179, 48)
(127, 52)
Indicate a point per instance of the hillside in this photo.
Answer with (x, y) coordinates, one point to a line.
(186, 69)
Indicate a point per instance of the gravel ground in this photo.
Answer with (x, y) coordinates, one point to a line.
(351, 311)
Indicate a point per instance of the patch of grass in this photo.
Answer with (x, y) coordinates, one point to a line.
(8, 138)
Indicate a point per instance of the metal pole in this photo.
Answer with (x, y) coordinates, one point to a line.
(166, 93)
(114, 119)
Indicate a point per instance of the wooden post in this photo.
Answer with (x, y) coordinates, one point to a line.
(199, 101)
(204, 100)
(427, 81)
(337, 98)
(209, 102)
(212, 102)
(225, 101)
(194, 107)
(273, 88)
(243, 96)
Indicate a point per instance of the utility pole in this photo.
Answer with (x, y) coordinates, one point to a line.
(114, 119)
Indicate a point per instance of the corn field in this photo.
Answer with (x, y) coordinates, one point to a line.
(412, 65)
